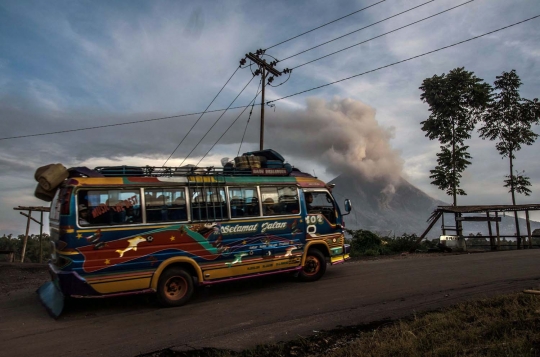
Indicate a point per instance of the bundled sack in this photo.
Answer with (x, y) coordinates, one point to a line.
(248, 162)
(51, 176)
(46, 196)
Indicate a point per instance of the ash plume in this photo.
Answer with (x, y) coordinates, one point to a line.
(342, 134)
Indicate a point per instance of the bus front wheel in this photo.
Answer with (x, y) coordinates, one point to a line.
(314, 266)
(175, 287)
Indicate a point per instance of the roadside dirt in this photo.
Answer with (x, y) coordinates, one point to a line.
(16, 276)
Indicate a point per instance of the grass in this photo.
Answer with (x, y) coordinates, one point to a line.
(503, 326)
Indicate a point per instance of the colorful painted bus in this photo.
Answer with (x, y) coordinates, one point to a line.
(158, 230)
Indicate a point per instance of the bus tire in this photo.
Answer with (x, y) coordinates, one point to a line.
(175, 287)
(314, 266)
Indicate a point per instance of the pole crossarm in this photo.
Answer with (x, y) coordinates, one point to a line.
(33, 208)
(263, 64)
(32, 218)
(488, 208)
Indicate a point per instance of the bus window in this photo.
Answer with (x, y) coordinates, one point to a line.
(279, 200)
(321, 202)
(244, 202)
(163, 205)
(107, 207)
(208, 204)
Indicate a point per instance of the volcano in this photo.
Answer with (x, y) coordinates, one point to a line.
(388, 210)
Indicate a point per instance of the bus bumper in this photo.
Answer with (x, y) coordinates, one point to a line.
(70, 283)
(340, 254)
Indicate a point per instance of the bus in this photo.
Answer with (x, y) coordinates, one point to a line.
(134, 230)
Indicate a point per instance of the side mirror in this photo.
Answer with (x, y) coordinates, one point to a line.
(348, 206)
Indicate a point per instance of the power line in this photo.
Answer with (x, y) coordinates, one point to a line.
(384, 34)
(245, 106)
(360, 29)
(405, 60)
(120, 124)
(204, 136)
(185, 136)
(328, 23)
(247, 123)
(230, 126)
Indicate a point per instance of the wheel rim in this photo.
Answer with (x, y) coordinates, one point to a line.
(312, 265)
(175, 288)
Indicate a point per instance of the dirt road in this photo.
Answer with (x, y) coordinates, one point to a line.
(240, 315)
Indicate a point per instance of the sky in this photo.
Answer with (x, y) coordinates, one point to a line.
(68, 65)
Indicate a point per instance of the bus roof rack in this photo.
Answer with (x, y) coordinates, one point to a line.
(159, 171)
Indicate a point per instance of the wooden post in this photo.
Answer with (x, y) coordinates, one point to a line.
(498, 233)
(435, 219)
(491, 239)
(26, 235)
(443, 229)
(40, 238)
(528, 228)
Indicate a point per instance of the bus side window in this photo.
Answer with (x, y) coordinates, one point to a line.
(244, 202)
(208, 204)
(106, 207)
(280, 200)
(165, 205)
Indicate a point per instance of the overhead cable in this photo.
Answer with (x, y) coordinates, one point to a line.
(328, 23)
(204, 112)
(384, 34)
(249, 118)
(358, 30)
(245, 106)
(405, 60)
(204, 136)
(230, 126)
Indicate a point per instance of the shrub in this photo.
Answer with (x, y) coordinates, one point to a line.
(364, 242)
(367, 243)
(8, 242)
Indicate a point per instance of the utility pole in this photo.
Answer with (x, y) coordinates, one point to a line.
(261, 145)
(264, 68)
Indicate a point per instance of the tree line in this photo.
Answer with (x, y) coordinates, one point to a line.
(15, 244)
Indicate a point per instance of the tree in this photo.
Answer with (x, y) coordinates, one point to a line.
(456, 100)
(509, 119)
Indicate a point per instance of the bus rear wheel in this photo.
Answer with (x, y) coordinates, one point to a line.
(314, 266)
(175, 287)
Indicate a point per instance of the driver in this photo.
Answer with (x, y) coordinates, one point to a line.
(309, 201)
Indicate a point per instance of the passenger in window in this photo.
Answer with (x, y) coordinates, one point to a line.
(83, 215)
(309, 201)
(269, 207)
(130, 215)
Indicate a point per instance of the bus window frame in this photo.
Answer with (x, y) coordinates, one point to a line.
(257, 188)
(76, 191)
(226, 198)
(278, 186)
(143, 203)
(308, 190)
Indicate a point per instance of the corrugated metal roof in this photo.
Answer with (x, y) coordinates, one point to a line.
(488, 208)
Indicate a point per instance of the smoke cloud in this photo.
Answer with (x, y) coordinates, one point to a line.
(342, 134)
